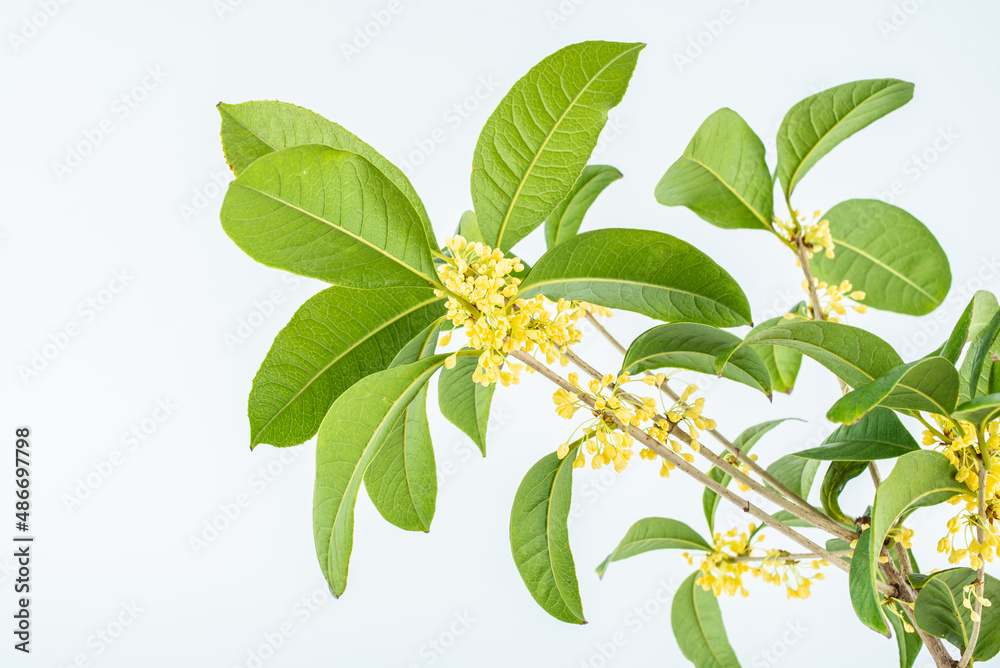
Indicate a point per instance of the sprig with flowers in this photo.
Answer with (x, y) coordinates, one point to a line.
(352, 367)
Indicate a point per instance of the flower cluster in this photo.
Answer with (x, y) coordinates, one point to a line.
(733, 557)
(815, 235)
(960, 446)
(610, 404)
(832, 300)
(482, 299)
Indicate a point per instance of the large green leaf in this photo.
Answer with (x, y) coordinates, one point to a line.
(722, 175)
(939, 611)
(336, 338)
(929, 384)
(353, 430)
(464, 402)
(878, 435)
(887, 253)
(795, 473)
(981, 309)
(537, 141)
(698, 628)
(253, 129)
(402, 478)
(838, 474)
(692, 346)
(637, 270)
(568, 215)
(815, 125)
(655, 533)
(857, 357)
(745, 442)
(539, 537)
(919, 479)
(327, 214)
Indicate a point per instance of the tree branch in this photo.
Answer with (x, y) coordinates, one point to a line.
(981, 572)
(682, 464)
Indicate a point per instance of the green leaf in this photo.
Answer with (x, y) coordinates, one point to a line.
(402, 478)
(837, 476)
(979, 411)
(795, 473)
(698, 628)
(878, 435)
(981, 309)
(909, 644)
(539, 537)
(336, 338)
(888, 254)
(815, 125)
(468, 227)
(353, 430)
(254, 129)
(465, 403)
(722, 175)
(857, 357)
(929, 384)
(536, 143)
(745, 442)
(979, 355)
(655, 533)
(637, 270)
(919, 479)
(782, 363)
(939, 611)
(327, 214)
(692, 346)
(565, 221)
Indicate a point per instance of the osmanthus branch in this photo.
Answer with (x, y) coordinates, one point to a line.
(981, 572)
(805, 556)
(680, 463)
(741, 456)
(806, 513)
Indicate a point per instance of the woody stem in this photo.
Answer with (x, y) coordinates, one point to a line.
(740, 455)
(680, 463)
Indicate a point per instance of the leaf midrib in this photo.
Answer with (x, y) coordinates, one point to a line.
(344, 230)
(794, 178)
(548, 535)
(883, 265)
(766, 223)
(551, 133)
(701, 626)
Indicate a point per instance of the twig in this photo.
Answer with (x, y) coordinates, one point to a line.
(808, 514)
(682, 464)
(741, 456)
(791, 557)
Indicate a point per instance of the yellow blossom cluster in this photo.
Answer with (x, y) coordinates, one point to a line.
(482, 299)
(778, 570)
(610, 404)
(815, 234)
(832, 300)
(961, 447)
(733, 557)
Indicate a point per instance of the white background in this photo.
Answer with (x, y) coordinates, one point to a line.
(143, 201)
